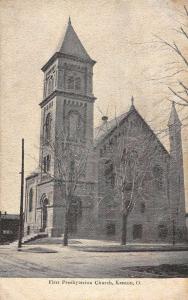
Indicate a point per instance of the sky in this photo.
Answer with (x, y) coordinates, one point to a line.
(121, 35)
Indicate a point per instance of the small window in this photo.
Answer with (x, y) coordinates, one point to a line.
(44, 165)
(142, 207)
(31, 199)
(162, 232)
(48, 162)
(111, 229)
(137, 231)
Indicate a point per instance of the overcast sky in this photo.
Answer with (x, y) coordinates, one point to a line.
(118, 34)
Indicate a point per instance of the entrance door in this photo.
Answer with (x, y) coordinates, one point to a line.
(44, 216)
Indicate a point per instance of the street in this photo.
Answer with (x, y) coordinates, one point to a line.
(50, 259)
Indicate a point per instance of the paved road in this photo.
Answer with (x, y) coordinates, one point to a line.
(36, 261)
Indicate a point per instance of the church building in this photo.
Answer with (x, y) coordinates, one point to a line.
(127, 180)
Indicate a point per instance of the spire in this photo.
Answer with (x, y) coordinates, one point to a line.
(132, 104)
(71, 44)
(174, 119)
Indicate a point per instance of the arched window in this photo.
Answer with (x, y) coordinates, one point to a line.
(30, 199)
(158, 176)
(70, 83)
(77, 83)
(46, 163)
(48, 127)
(50, 84)
(109, 173)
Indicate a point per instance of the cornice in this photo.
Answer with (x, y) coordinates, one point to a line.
(66, 94)
(74, 58)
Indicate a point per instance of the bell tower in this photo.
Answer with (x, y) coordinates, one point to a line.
(68, 99)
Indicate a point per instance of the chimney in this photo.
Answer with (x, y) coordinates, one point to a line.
(104, 119)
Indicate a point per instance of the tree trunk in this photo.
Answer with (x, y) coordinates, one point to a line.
(66, 228)
(124, 229)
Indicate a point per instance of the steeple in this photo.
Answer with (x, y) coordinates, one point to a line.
(176, 177)
(72, 45)
(174, 119)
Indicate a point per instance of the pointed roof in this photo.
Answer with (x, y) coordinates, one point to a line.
(72, 45)
(174, 118)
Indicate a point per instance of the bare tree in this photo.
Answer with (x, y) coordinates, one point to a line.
(134, 152)
(182, 93)
(70, 161)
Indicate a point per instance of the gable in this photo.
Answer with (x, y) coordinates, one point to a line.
(106, 131)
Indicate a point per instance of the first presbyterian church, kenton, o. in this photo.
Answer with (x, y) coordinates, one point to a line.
(157, 215)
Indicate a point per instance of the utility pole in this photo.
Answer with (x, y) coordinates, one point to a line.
(21, 199)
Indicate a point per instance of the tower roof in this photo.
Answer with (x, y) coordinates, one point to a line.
(72, 45)
(174, 119)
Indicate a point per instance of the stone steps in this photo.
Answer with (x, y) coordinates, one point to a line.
(28, 238)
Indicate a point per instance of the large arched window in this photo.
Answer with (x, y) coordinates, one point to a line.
(48, 128)
(74, 125)
(31, 199)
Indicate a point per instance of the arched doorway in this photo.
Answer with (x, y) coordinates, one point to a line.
(44, 213)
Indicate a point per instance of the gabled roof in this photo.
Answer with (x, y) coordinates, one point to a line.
(72, 45)
(103, 131)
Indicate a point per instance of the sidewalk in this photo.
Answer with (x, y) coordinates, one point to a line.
(112, 246)
(86, 245)
(106, 246)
